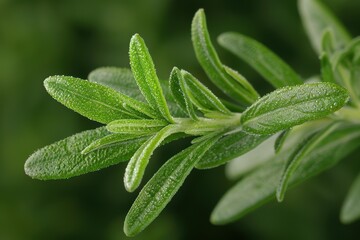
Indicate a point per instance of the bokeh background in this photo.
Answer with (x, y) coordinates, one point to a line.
(39, 38)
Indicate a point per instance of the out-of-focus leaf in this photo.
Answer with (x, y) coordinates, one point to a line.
(316, 19)
(160, 189)
(209, 60)
(201, 96)
(350, 210)
(280, 140)
(136, 167)
(290, 106)
(95, 101)
(259, 57)
(63, 159)
(144, 72)
(229, 147)
(259, 187)
(136, 126)
(327, 73)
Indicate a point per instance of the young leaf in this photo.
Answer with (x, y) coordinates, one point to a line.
(94, 101)
(327, 42)
(259, 187)
(229, 147)
(295, 159)
(109, 140)
(290, 106)
(259, 57)
(144, 72)
(63, 159)
(136, 167)
(122, 80)
(280, 140)
(209, 60)
(350, 210)
(327, 73)
(317, 18)
(177, 87)
(158, 192)
(136, 126)
(201, 96)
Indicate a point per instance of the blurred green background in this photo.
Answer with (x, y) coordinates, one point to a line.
(39, 38)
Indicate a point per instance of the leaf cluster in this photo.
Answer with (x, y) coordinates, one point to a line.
(308, 126)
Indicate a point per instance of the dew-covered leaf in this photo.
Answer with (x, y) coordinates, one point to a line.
(160, 189)
(290, 106)
(63, 159)
(259, 57)
(316, 19)
(144, 72)
(210, 62)
(260, 186)
(201, 96)
(136, 167)
(350, 210)
(95, 101)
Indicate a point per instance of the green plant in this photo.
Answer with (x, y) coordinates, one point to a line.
(318, 124)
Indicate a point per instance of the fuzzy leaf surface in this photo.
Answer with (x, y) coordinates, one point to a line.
(290, 106)
(262, 59)
(136, 126)
(160, 189)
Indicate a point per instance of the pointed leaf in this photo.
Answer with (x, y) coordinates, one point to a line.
(209, 60)
(136, 126)
(259, 57)
(316, 19)
(177, 87)
(201, 96)
(290, 106)
(350, 210)
(158, 192)
(144, 72)
(63, 159)
(94, 101)
(327, 73)
(280, 140)
(259, 187)
(136, 167)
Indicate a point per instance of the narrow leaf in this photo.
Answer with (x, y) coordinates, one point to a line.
(316, 19)
(94, 101)
(259, 57)
(260, 186)
(303, 149)
(229, 147)
(63, 159)
(327, 42)
(350, 210)
(209, 60)
(280, 140)
(136, 167)
(109, 140)
(158, 192)
(144, 72)
(201, 96)
(327, 73)
(290, 106)
(136, 126)
(177, 87)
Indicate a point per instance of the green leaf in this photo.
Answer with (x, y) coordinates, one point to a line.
(201, 96)
(136, 167)
(260, 186)
(122, 80)
(259, 57)
(119, 79)
(327, 42)
(94, 101)
(350, 210)
(327, 73)
(210, 62)
(280, 140)
(177, 87)
(63, 159)
(290, 106)
(158, 192)
(109, 140)
(136, 126)
(316, 19)
(229, 147)
(295, 159)
(144, 72)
